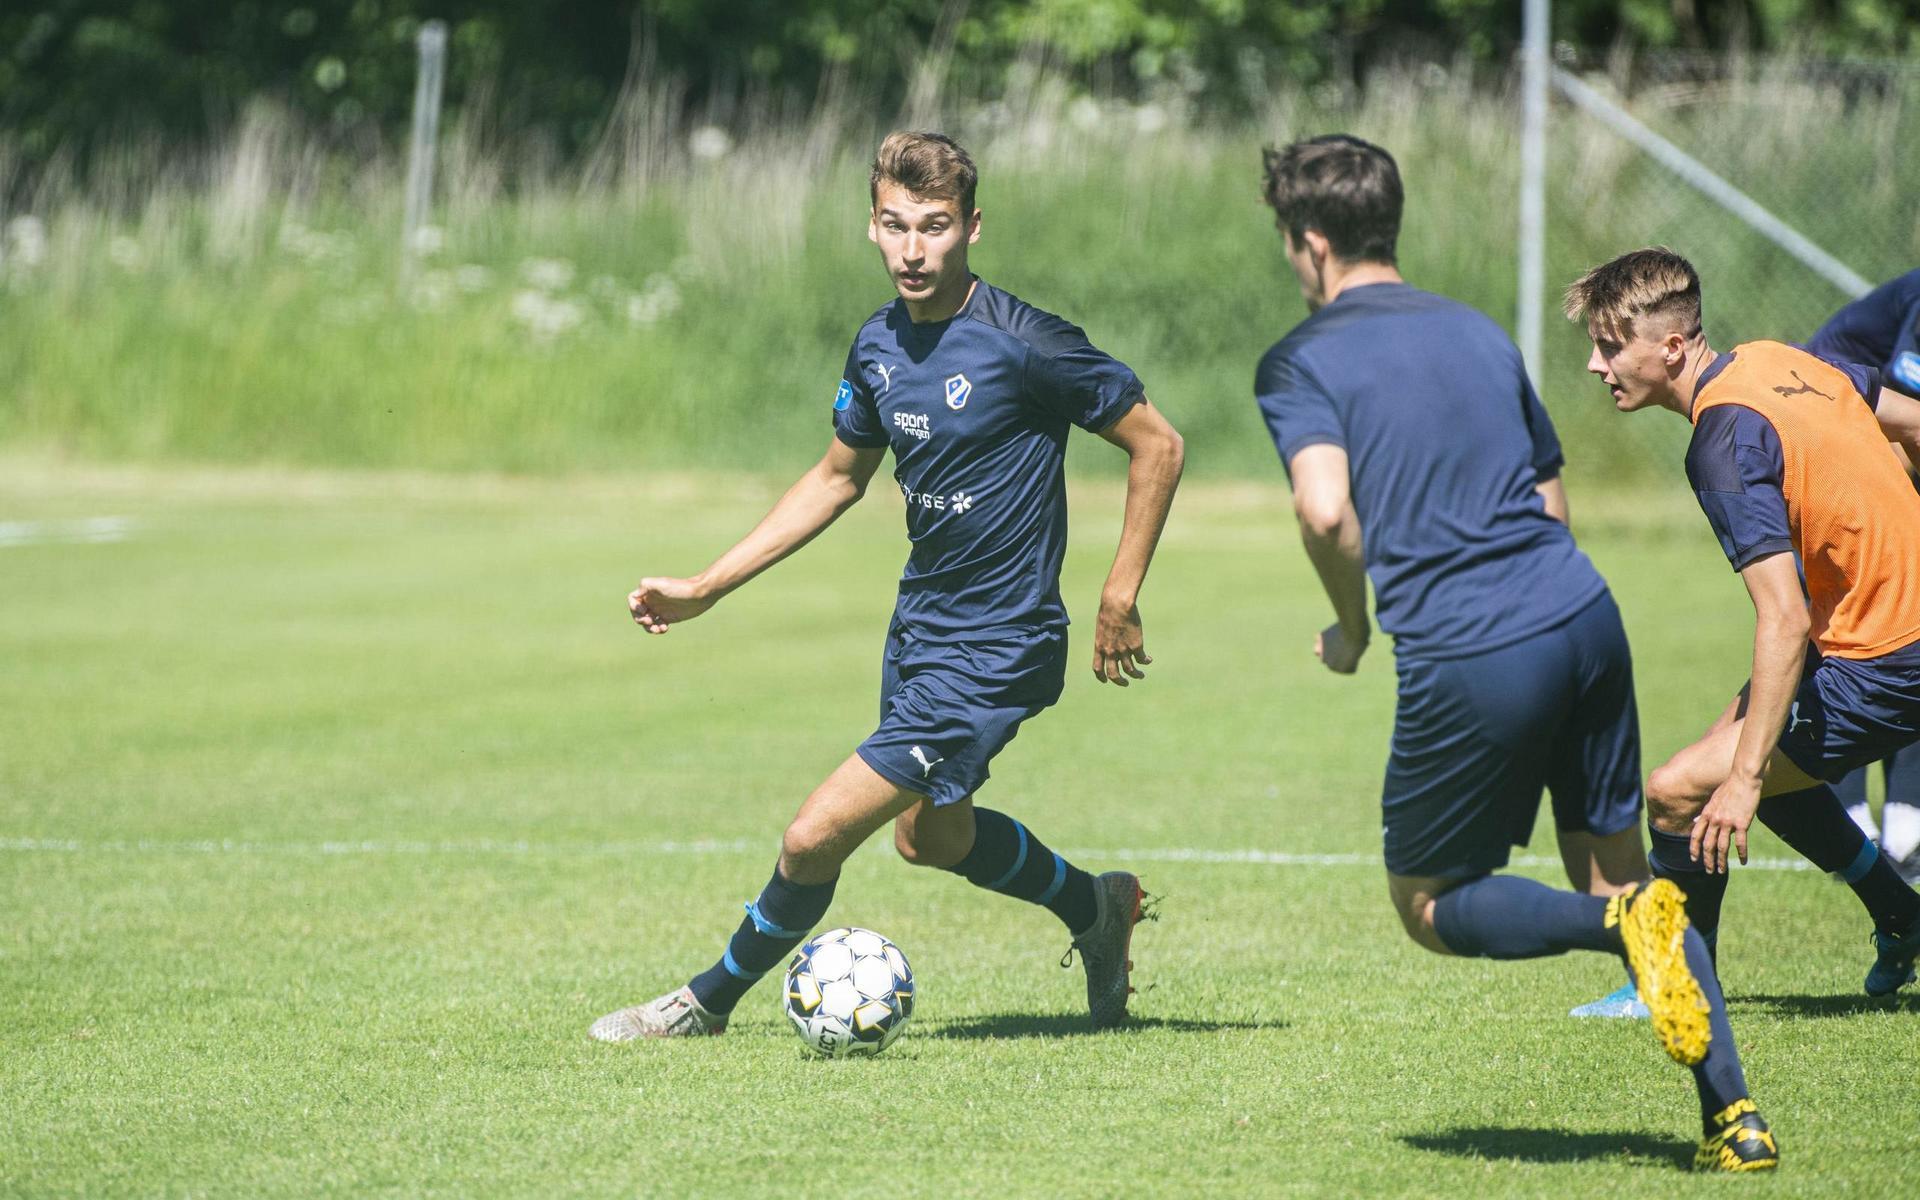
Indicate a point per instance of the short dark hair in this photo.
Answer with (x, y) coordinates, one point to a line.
(1346, 189)
(931, 166)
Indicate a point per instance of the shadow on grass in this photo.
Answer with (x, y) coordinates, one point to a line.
(1828, 1006)
(1555, 1146)
(1034, 1025)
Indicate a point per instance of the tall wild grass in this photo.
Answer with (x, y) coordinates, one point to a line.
(684, 296)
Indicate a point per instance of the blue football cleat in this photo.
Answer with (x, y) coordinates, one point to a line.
(1623, 1005)
(1893, 969)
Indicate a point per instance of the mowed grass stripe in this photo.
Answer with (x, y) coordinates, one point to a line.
(405, 664)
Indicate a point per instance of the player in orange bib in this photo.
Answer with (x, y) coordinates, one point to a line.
(1791, 463)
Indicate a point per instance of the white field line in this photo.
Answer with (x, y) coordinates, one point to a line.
(80, 531)
(483, 846)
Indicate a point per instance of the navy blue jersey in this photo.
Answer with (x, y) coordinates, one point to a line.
(977, 409)
(1446, 442)
(1736, 469)
(1881, 329)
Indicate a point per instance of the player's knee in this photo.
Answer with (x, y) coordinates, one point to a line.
(1670, 799)
(808, 841)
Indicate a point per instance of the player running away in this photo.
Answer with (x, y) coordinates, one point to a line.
(1883, 328)
(1421, 457)
(974, 391)
(1790, 462)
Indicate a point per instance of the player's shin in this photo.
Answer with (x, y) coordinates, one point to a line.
(1718, 1076)
(1006, 858)
(1670, 856)
(1817, 826)
(776, 922)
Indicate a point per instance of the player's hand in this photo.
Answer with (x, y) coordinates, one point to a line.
(1119, 647)
(1338, 649)
(661, 603)
(1724, 822)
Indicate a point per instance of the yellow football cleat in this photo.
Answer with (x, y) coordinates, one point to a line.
(1653, 924)
(1741, 1142)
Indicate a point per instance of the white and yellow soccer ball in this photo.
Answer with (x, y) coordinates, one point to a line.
(849, 992)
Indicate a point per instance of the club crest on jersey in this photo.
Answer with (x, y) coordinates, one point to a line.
(844, 397)
(958, 389)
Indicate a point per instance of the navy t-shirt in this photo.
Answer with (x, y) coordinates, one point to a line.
(1446, 442)
(1881, 329)
(1735, 467)
(977, 409)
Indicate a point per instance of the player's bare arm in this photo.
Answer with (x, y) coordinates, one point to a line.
(1155, 457)
(1553, 493)
(1330, 529)
(815, 501)
(1899, 416)
(1781, 627)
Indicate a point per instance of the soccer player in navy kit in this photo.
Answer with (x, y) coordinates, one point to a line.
(1421, 458)
(974, 391)
(1882, 329)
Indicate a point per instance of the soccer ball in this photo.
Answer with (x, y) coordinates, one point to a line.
(849, 991)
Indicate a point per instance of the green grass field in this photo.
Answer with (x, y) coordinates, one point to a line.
(334, 807)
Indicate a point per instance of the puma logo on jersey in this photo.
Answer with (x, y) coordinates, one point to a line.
(1794, 719)
(885, 373)
(1803, 389)
(926, 764)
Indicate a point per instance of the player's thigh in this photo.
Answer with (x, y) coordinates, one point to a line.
(1679, 788)
(1466, 770)
(935, 835)
(839, 815)
(1849, 713)
(1413, 897)
(1594, 760)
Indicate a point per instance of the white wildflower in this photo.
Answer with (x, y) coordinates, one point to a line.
(710, 142)
(428, 240)
(431, 292)
(548, 274)
(26, 242)
(124, 252)
(1084, 113)
(1150, 118)
(659, 298)
(472, 278)
(546, 317)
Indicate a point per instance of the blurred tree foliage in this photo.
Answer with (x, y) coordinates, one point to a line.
(80, 75)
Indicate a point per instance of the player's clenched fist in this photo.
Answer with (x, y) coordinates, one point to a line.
(658, 604)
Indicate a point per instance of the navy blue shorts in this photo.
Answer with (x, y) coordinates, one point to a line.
(1853, 711)
(1475, 740)
(946, 708)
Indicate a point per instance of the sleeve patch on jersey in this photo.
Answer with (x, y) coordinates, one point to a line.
(843, 399)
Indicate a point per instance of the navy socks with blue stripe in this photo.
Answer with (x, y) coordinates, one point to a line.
(1817, 826)
(776, 922)
(1670, 857)
(1501, 916)
(1007, 859)
(1504, 916)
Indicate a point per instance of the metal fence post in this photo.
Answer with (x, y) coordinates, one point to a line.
(1533, 182)
(426, 135)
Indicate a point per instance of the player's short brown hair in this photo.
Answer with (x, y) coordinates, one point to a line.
(930, 166)
(1346, 189)
(1654, 285)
